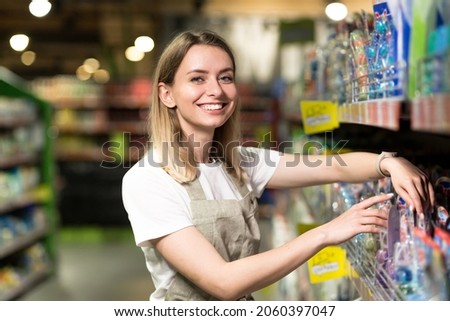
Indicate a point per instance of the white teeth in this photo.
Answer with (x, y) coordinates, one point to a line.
(212, 106)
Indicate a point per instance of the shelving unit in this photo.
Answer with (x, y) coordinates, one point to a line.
(259, 118)
(375, 113)
(371, 283)
(28, 215)
(384, 113)
(88, 116)
(100, 131)
(431, 113)
(427, 114)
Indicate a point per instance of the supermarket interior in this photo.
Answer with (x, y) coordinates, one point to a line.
(75, 89)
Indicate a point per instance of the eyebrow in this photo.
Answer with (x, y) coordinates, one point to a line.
(201, 71)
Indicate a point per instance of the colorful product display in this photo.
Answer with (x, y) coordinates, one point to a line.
(20, 223)
(410, 260)
(16, 182)
(400, 49)
(18, 270)
(27, 203)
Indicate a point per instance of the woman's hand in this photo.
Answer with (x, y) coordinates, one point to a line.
(410, 183)
(362, 217)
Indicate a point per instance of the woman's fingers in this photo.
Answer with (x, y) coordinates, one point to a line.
(371, 201)
(432, 200)
(377, 217)
(417, 193)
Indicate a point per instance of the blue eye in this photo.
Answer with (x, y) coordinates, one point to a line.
(197, 79)
(226, 79)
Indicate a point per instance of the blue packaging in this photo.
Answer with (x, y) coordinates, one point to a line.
(404, 27)
(442, 12)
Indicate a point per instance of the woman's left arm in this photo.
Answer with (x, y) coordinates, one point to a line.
(298, 170)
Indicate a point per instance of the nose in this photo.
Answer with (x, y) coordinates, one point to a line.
(214, 88)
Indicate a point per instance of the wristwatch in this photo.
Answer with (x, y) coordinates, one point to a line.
(380, 157)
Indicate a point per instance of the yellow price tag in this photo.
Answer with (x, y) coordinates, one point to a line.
(319, 116)
(42, 193)
(328, 264)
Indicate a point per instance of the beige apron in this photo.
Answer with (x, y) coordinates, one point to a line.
(230, 225)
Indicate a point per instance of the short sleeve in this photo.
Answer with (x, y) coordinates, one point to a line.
(260, 165)
(155, 204)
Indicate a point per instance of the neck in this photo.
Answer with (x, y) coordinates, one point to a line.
(201, 153)
(201, 145)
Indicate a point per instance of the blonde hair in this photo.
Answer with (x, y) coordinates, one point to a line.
(164, 128)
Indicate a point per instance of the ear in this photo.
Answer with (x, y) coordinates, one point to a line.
(165, 95)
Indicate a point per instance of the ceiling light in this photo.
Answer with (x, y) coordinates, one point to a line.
(19, 42)
(144, 43)
(28, 57)
(336, 11)
(91, 65)
(82, 74)
(101, 76)
(39, 8)
(134, 54)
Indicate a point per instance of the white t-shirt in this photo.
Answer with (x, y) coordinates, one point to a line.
(157, 205)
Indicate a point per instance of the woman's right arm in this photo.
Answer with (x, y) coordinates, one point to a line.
(195, 257)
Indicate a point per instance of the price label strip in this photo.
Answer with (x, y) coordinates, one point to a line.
(319, 116)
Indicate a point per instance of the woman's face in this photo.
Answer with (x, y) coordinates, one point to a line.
(204, 91)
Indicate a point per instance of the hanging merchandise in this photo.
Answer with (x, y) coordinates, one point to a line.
(359, 39)
(405, 262)
(379, 53)
(442, 188)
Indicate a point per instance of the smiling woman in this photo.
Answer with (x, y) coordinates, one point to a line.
(191, 86)
(204, 94)
(194, 210)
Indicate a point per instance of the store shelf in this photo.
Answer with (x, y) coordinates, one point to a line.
(17, 160)
(13, 122)
(28, 206)
(383, 113)
(372, 283)
(26, 284)
(83, 130)
(378, 102)
(259, 116)
(18, 202)
(89, 115)
(21, 242)
(431, 113)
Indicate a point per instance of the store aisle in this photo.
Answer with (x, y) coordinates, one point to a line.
(105, 270)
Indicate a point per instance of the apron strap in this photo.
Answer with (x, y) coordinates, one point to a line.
(195, 190)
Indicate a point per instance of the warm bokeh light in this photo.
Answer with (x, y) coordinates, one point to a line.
(91, 65)
(144, 43)
(82, 73)
(336, 11)
(28, 57)
(134, 54)
(19, 42)
(39, 8)
(101, 76)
